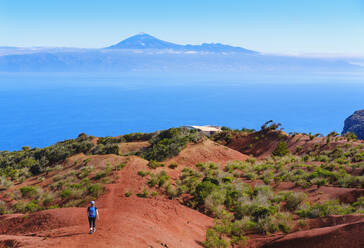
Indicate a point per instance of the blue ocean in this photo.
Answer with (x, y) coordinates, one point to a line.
(38, 110)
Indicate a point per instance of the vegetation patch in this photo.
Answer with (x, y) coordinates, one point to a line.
(169, 143)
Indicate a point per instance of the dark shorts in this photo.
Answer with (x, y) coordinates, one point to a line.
(91, 221)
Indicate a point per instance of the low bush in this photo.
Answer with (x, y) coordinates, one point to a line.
(169, 143)
(154, 164)
(144, 194)
(294, 199)
(95, 190)
(172, 166)
(32, 206)
(29, 191)
(159, 179)
(143, 173)
(324, 209)
(281, 149)
(3, 207)
(106, 149)
(119, 166)
(214, 240)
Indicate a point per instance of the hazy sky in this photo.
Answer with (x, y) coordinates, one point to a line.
(274, 26)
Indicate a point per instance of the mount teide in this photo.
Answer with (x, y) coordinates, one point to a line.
(145, 53)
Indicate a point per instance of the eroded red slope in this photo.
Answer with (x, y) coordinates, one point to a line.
(124, 222)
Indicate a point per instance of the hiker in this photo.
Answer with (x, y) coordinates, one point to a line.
(92, 213)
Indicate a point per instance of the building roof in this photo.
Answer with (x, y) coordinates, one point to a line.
(207, 128)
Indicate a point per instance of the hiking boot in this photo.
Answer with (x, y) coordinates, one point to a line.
(94, 230)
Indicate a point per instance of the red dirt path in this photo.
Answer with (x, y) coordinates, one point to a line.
(124, 221)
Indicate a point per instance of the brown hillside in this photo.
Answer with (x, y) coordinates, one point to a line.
(261, 144)
(125, 221)
(206, 151)
(128, 220)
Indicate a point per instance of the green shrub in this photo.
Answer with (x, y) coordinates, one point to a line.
(110, 140)
(74, 203)
(23, 207)
(5, 183)
(359, 205)
(95, 190)
(106, 149)
(214, 200)
(358, 157)
(47, 199)
(32, 206)
(128, 194)
(299, 149)
(100, 175)
(3, 207)
(144, 194)
(266, 225)
(19, 206)
(350, 136)
(154, 164)
(294, 199)
(169, 143)
(143, 173)
(119, 166)
(245, 224)
(324, 209)
(284, 221)
(322, 158)
(68, 194)
(131, 137)
(214, 240)
(106, 172)
(173, 166)
(85, 171)
(203, 189)
(159, 179)
(28, 191)
(281, 149)
(172, 192)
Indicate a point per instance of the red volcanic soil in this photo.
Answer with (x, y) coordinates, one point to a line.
(132, 147)
(206, 151)
(344, 235)
(262, 144)
(159, 222)
(124, 221)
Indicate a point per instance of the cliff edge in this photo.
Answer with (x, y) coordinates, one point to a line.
(355, 124)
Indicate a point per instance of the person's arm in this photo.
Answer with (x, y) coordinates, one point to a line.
(97, 214)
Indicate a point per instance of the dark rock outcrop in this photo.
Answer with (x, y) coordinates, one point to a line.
(355, 124)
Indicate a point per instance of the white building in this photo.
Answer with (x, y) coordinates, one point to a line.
(208, 130)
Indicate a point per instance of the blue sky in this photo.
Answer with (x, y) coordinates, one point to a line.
(273, 26)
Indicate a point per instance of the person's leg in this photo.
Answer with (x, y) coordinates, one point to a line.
(94, 222)
(90, 223)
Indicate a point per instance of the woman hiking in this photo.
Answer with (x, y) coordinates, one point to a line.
(92, 213)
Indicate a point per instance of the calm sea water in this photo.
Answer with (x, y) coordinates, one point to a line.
(39, 110)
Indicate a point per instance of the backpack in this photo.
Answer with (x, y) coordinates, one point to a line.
(92, 212)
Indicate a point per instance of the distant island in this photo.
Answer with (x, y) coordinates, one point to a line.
(145, 53)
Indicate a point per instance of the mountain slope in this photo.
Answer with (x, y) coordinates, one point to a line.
(146, 41)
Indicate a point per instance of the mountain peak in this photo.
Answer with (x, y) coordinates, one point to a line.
(144, 41)
(147, 41)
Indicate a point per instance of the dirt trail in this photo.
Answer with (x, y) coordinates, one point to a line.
(124, 221)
